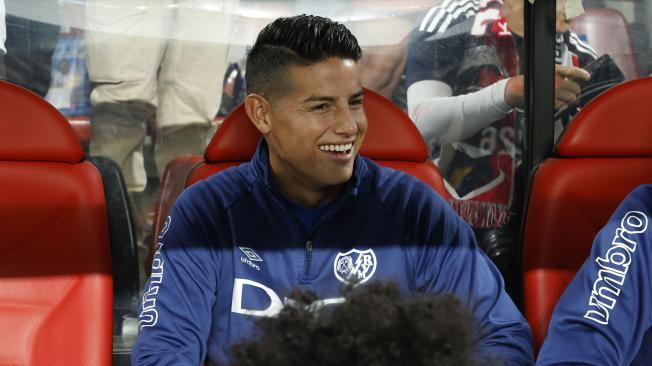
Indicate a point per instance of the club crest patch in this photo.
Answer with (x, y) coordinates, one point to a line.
(355, 266)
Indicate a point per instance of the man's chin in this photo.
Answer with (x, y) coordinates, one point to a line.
(338, 178)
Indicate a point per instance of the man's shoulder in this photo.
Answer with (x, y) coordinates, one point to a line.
(631, 218)
(392, 185)
(635, 210)
(641, 196)
(638, 200)
(222, 188)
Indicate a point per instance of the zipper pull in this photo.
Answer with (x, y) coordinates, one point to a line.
(308, 264)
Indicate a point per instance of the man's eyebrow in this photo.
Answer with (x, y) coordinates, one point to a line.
(319, 98)
(323, 98)
(357, 95)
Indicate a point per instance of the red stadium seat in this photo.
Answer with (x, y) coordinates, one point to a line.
(174, 181)
(604, 154)
(55, 261)
(606, 31)
(392, 140)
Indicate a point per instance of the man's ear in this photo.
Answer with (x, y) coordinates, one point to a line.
(258, 109)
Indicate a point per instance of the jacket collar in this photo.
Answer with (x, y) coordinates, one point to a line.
(263, 170)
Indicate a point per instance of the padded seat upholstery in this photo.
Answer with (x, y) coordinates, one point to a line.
(392, 140)
(604, 154)
(55, 261)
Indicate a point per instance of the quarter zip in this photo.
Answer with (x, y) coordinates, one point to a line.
(308, 268)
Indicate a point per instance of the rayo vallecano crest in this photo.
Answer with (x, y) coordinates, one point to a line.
(355, 266)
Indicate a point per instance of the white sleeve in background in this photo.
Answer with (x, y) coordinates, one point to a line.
(3, 29)
(442, 118)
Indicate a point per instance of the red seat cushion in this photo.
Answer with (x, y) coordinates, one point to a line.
(570, 201)
(56, 290)
(55, 271)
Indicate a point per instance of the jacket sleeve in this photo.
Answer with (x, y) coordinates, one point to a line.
(176, 310)
(602, 317)
(451, 262)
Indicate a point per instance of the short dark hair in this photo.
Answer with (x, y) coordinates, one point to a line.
(301, 40)
(376, 325)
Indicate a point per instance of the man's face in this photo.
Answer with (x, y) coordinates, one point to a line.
(317, 126)
(563, 23)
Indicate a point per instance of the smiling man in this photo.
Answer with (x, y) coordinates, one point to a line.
(308, 212)
(312, 120)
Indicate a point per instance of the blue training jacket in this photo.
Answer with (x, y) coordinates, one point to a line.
(605, 314)
(231, 251)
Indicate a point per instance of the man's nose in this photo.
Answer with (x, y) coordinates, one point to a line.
(345, 122)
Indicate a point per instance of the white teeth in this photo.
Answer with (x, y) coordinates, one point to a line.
(340, 148)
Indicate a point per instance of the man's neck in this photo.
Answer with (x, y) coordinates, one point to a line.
(305, 196)
(298, 188)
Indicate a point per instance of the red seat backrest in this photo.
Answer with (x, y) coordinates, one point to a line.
(606, 31)
(604, 154)
(392, 140)
(56, 294)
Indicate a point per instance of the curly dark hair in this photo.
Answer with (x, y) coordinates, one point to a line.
(375, 326)
(301, 40)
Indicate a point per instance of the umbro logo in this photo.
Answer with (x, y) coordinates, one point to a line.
(251, 254)
(252, 257)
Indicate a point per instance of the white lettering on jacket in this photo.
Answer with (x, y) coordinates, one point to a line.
(148, 315)
(613, 267)
(275, 306)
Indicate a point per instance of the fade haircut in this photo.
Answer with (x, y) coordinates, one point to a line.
(302, 40)
(376, 325)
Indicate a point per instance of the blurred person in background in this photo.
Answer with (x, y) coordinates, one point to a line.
(465, 84)
(164, 57)
(32, 34)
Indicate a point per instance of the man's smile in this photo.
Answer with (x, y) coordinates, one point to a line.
(341, 152)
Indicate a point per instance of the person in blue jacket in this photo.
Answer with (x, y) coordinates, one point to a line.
(308, 212)
(605, 314)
